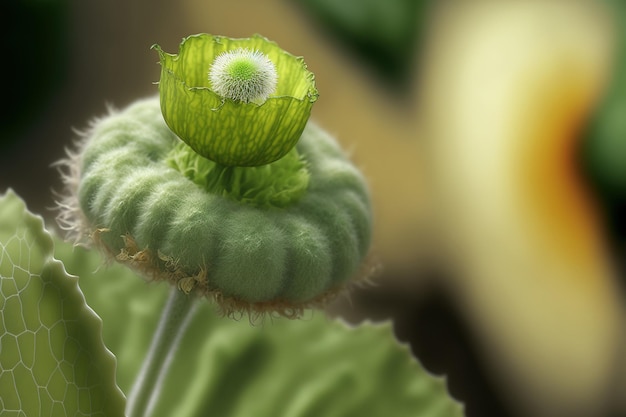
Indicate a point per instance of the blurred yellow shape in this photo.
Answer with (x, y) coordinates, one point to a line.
(550, 186)
(509, 86)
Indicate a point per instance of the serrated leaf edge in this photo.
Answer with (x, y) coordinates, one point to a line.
(43, 237)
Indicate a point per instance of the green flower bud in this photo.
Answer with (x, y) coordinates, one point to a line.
(277, 237)
(238, 102)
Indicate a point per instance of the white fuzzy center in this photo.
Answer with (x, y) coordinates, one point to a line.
(243, 75)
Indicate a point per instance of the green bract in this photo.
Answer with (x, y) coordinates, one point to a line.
(234, 132)
(276, 237)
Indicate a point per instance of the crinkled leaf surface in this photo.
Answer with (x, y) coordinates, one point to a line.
(52, 358)
(312, 367)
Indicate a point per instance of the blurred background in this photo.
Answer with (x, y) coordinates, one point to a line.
(493, 136)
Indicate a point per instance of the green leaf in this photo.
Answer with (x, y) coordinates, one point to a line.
(603, 146)
(225, 367)
(605, 135)
(384, 34)
(52, 358)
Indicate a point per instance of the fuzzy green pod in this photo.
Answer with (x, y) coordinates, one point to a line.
(283, 236)
(238, 102)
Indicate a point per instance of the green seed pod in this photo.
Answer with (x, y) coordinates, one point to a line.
(277, 237)
(238, 102)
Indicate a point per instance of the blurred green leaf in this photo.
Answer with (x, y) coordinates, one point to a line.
(311, 367)
(52, 358)
(385, 34)
(604, 139)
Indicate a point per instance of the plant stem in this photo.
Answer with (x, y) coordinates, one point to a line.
(172, 325)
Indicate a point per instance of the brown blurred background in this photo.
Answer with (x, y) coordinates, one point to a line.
(66, 61)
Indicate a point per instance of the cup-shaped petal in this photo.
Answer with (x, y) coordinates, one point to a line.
(230, 132)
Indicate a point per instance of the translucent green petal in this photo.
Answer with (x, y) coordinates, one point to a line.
(282, 368)
(52, 358)
(228, 132)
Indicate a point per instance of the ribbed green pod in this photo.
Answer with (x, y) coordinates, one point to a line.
(148, 211)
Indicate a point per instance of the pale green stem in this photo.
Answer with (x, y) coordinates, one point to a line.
(172, 325)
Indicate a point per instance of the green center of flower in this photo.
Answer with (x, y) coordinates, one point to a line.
(278, 184)
(243, 75)
(242, 69)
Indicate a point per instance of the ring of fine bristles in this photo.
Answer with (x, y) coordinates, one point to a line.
(243, 75)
